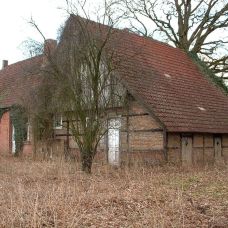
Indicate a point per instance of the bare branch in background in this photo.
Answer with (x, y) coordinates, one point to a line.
(79, 79)
(191, 25)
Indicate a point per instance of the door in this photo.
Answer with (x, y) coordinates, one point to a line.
(114, 141)
(218, 147)
(186, 150)
(13, 140)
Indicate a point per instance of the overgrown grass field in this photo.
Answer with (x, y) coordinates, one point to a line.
(58, 194)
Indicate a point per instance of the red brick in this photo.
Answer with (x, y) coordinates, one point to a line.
(5, 133)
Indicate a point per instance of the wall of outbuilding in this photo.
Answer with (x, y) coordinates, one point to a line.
(203, 148)
(142, 139)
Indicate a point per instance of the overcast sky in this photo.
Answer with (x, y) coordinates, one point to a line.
(15, 29)
(14, 17)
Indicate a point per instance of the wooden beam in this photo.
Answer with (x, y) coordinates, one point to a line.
(144, 150)
(68, 134)
(135, 114)
(165, 144)
(144, 130)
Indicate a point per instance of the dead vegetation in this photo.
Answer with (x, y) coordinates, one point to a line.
(57, 194)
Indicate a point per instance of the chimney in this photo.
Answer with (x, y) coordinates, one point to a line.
(49, 46)
(4, 63)
(126, 30)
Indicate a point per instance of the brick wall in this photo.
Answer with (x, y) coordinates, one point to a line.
(5, 133)
(141, 136)
(142, 139)
(6, 136)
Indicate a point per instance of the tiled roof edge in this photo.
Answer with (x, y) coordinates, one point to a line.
(207, 72)
(22, 61)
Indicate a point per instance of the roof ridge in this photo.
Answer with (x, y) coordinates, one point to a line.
(124, 30)
(21, 61)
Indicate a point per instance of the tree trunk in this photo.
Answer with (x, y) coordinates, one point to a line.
(87, 161)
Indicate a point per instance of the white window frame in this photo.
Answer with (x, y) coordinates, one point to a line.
(13, 140)
(114, 152)
(61, 121)
(28, 132)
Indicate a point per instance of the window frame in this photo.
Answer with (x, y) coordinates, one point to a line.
(60, 126)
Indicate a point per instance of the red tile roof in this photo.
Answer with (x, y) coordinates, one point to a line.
(163, 78)
(18, 80)
(166, 81)
(171, 86)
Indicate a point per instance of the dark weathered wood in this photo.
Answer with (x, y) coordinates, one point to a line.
(218, 147)
(127, 123)
(203, 148)
(68, 133)
(144, 130)
(174, 147)
(135, 114)
(186, 150)
(165, 143)
(144, 150)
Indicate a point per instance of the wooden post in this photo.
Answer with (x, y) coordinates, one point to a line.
(186, 149)
(68, 134)
(165, 142)
(127, 125)
(203, 148)
(218, 148)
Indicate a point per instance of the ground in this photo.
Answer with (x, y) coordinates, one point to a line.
(58, 194)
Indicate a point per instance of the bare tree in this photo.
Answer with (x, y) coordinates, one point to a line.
(192, 25)
(82, 72)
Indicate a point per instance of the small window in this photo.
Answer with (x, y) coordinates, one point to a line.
(58, 121)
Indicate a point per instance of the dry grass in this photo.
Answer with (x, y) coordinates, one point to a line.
(57, 194)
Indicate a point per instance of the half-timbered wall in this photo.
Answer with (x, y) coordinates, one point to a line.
(206, 148)
(141, 136)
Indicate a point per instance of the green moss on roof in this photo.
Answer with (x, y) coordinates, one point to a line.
(209, 73)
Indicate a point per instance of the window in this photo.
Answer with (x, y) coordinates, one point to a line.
(58, 121)
(114, 126)
(28, 132)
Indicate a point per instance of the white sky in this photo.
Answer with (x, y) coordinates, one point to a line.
(14, 15)
(14, 27)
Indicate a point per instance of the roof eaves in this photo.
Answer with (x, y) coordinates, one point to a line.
(142, 102)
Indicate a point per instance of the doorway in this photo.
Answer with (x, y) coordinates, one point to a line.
(13, 140)
(218, 147)
(114, 141)
(186, 150)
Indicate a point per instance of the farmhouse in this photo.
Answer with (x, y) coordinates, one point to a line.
(175, 111)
